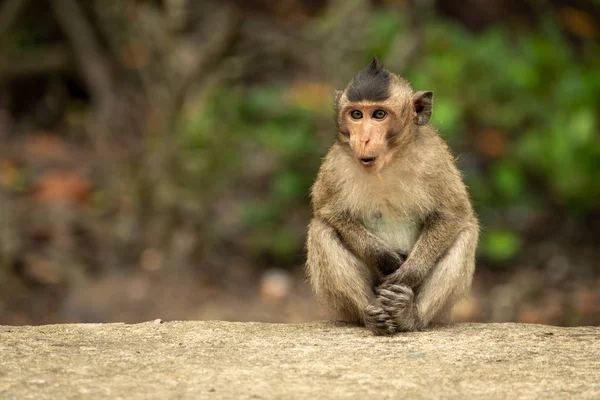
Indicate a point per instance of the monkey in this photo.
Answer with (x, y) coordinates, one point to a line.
(392, 239)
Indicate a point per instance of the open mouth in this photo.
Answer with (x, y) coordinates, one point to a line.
(367, 161)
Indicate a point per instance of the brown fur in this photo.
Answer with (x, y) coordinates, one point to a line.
(392, 241)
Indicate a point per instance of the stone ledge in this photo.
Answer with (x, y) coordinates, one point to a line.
(316, 360)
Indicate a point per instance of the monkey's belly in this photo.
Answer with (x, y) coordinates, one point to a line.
(399, 234)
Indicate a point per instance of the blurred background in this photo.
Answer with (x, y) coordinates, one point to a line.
(156, 155)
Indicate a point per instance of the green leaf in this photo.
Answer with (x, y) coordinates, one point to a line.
(288, 185)
(582, 126)
(501, 245)
(285, 244)
(447, 116)
(260, 213)
(508, 179)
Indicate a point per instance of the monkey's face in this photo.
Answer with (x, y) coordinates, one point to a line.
(376, 113)
(368, 127)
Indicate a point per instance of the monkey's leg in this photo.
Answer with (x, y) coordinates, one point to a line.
(339, 279)
(396, 307)
(450, 279)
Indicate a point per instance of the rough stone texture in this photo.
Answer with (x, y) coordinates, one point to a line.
(317, 360)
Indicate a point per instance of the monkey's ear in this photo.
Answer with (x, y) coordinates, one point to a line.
(422, 104)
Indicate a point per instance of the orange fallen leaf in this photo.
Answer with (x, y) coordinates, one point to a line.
(491, 143)
(43, 270)
(466, 310)
(135, 55)
(63, 187)
(587, 302)
(311, 95)
(532, 316)
(579, 23)
(9, 173)
(44, 145)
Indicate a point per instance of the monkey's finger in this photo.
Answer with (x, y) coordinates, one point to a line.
(389, 306)
(371, 310)
(387, 294)
(401, 290)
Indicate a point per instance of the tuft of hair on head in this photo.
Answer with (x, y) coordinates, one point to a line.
(371, 84)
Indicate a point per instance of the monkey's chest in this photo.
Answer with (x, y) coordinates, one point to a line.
(400, 234)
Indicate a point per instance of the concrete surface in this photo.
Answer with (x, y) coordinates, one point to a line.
(319, 360)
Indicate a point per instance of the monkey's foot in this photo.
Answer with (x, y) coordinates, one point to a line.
(392, 311)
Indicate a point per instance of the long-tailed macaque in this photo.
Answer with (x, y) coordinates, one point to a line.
(392, 241)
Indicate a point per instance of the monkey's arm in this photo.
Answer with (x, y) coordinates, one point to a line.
(440, 229)
(365, 245)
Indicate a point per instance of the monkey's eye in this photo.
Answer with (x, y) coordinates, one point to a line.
(379, 114)
(356, 114)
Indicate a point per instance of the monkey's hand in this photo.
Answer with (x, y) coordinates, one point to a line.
(389, 262)
(379, 320)
(392, 311)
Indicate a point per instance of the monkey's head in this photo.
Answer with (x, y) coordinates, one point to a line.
(377, 113)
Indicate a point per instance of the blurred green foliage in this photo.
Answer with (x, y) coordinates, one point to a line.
(238, 127)
(540, 93)
(536, 91)
(534, 88)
